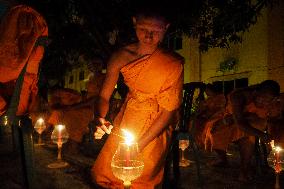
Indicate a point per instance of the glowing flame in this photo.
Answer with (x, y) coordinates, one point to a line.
(5, 120)
(60, 127)
(278, 149)
(129, 138)
(40, 121)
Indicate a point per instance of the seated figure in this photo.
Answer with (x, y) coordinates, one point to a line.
(68, 108)
(247, 113)
(210, 109)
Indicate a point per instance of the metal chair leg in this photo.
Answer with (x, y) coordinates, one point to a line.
(197, 160)
(27, 151)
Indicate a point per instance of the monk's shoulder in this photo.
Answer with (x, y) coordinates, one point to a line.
(120, 57)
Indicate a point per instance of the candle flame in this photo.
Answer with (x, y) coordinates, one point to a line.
(60, 127)
(278, 149)
(40, 120)
(5, 120)
(129, 138)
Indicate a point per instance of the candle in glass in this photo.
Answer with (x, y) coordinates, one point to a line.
(128, 140)
(40, 127)
(127, 164)
(277, 159)
(277, 166)
(59, 136)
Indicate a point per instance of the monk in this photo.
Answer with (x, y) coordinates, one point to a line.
(246, 116)
(68, 108)
(209, 110)
(23, 36)
(154, 76)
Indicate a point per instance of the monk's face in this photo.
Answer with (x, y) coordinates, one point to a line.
(150, 31)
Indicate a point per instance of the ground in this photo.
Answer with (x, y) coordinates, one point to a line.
(77, 174)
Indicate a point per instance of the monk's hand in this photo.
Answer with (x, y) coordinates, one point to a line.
(102, 126)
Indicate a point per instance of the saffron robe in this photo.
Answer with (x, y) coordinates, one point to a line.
(20, 30)
(226, 134)
(154, 82)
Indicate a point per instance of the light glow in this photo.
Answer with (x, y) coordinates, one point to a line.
(60, 127)
(278, 149)
(129, 138)
(40, 121)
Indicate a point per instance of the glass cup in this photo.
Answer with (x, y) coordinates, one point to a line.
(59, 136)
(127, 163)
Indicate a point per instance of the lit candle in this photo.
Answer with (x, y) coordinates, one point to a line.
(129, 141)
(277, 159)
(5, 120)
(60, 128)
(277, 166)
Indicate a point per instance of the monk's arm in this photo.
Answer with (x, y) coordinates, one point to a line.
(238, 105)
(112, 74)
(160, 123)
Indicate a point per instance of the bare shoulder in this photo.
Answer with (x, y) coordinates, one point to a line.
(122, 56)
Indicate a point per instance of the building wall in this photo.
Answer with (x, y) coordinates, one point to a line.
(191, 56)
(276, 44)
(260, 55)
(77, 84)
(251, 55)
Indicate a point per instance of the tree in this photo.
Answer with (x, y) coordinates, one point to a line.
(80, 26)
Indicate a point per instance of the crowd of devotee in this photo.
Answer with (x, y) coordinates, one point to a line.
(240, 117)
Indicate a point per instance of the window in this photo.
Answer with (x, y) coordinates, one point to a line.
(81, 76)
(71, 79)
(228, 86)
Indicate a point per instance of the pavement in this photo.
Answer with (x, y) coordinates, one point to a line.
(77, 174)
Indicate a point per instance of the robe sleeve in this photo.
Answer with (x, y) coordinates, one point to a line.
(170, 96)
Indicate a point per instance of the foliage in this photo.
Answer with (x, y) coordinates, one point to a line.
(84, 26)
(228, 65)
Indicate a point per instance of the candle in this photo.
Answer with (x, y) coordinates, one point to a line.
(129, 141)
(60, 128)
(277, 159)
(127, 156)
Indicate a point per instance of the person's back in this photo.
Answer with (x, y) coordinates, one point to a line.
(21, 37)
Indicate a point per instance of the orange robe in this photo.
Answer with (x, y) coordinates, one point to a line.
(154, 81)
(211, 109)
(75, 118)
(226, 134)
(20, 29)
